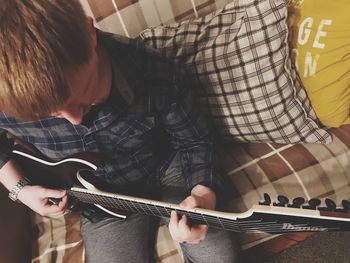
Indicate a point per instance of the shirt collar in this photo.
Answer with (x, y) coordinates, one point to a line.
(122, 90)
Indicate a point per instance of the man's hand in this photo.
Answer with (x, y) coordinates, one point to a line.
(37, 198)
(201, 196)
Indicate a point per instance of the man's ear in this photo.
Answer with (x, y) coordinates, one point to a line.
(92, 32)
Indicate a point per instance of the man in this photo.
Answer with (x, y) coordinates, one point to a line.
(67, 88)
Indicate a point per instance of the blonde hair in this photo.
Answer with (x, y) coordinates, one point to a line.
(39, 41)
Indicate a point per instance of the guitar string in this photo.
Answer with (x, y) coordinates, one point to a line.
(108, 202)
(212, 220)
(209, 220)
(134, 208)
(265, 228)
(126, 205)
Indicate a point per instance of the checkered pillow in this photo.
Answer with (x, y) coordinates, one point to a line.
(240, 58)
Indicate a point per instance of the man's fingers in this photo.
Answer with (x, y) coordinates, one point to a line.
(189, 202)
(59, 214)
(173, 225)
(183, 225)
(182, 232)
(201, 228)
(52, 209)
(174, 218)
(63, 203)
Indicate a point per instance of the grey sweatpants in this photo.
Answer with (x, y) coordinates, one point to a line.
(112, 240)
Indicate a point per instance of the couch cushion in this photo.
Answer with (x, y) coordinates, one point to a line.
(58, 240)
(249, 170)
(302, 170)
(240, 58)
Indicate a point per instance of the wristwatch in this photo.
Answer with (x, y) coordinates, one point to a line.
(13, 194)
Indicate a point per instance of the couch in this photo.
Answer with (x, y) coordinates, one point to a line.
(250, 167)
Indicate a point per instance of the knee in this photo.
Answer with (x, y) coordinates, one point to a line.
(219, 247)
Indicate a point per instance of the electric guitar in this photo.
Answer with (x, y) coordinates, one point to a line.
(75, 175)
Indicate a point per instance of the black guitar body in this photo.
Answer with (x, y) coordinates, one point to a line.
(75, 171)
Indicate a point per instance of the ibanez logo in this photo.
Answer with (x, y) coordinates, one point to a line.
(302, 228)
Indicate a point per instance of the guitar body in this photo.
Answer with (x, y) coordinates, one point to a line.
(73, 171)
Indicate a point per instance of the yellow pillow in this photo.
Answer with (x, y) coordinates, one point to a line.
(320, 39)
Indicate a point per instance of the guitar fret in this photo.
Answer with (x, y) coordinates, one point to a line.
(123, 206)
(165, 212)
(151, 209)
(143, 209)
(159, 213)
(154, 210)
(134, 206)
(249, 225)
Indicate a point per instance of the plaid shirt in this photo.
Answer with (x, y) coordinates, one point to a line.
(148, 107)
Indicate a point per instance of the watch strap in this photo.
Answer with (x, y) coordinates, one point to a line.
(13, 194)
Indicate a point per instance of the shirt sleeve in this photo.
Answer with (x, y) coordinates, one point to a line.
(6, 145)
(190, 135)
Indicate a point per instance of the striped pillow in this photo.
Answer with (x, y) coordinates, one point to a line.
(240, 58)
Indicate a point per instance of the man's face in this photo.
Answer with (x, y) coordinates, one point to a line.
(89, 85)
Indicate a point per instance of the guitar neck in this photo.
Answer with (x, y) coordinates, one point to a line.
(276, 218)
(155, 208)
(259, 218)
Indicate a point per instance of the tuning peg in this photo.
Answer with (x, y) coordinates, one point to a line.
(330, 205)
(346, 205)
(297, 202)
(312, 204)
(267, 200)
(282, 201)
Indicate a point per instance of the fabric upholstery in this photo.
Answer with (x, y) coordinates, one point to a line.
(240, 57)
(249, 171)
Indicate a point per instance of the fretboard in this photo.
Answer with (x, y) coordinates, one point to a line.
(156, 208)
(242, 222)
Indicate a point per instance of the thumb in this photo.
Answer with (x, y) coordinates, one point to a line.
(189, 202)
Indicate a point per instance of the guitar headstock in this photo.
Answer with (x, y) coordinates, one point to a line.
(312, 204)
(297, 215)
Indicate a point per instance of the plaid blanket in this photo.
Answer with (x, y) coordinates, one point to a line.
(250, 170)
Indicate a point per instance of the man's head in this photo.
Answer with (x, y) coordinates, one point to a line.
(42, 43)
